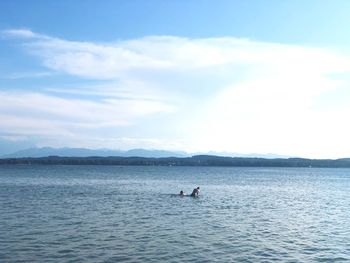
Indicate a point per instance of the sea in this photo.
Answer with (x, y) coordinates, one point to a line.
(58, 213)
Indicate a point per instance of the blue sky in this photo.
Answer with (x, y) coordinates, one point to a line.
(232, 76)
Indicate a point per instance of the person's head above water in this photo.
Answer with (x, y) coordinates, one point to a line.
(198, 187)
(181, 192)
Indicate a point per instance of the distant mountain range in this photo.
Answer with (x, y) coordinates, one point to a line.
(82, 152)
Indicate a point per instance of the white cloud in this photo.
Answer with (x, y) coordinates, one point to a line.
(223, 94)
(37, 114)
(272, 115)
(114, 60)
(23, 33)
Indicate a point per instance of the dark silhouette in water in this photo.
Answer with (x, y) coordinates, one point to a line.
(195, 192)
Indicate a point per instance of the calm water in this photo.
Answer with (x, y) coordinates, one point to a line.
(129, 214)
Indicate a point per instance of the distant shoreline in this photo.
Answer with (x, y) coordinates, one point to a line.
(199, 160)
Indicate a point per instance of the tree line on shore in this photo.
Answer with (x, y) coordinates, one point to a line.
(199, 160)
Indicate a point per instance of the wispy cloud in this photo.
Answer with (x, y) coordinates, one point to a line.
(29, 113)
(113, 60)
(223, 94)
(27, 75)
(22, 33)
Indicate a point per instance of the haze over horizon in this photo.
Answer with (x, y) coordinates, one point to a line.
(258, 77)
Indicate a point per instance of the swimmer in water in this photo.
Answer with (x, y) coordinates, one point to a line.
(182, 193)
(195, 192)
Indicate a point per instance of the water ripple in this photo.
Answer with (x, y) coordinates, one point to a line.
(131, 214)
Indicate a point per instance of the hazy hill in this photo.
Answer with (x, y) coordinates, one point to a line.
(242, 155)
(81, 152)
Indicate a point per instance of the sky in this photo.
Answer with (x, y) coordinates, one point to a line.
(197, 76)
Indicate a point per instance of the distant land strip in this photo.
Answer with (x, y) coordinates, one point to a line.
(198, 160)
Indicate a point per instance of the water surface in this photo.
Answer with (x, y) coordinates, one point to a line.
(131, 214)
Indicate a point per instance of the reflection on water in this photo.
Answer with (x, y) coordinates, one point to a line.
(133, 214)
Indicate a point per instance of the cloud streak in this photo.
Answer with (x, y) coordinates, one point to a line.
(112, 60)
(37, 114)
